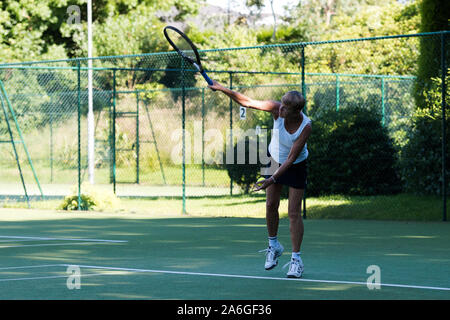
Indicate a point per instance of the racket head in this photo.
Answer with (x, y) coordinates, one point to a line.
(183, 45)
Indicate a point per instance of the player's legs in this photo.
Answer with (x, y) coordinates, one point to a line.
(273, 194)
(275, 249)
(295, 218)
(296, 229)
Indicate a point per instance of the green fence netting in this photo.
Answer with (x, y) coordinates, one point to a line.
(159, 131)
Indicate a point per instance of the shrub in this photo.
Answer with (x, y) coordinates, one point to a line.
(421, 158)
(92, 198)
(351, 153)
(246, 174)
(71, 203)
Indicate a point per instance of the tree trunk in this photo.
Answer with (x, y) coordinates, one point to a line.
(329, 11)
(274, 34)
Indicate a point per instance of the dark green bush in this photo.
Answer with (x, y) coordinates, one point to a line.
(351, 153)
(421, 158)
(246, 174)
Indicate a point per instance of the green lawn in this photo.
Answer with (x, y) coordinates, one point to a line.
(401, 207)
(171, 175)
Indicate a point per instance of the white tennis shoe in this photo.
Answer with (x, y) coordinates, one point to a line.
(295, 268)
(272, 254)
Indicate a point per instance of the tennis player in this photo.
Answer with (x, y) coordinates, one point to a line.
(288, 148)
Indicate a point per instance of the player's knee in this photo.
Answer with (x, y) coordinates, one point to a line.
(294, 214)
(272, 205)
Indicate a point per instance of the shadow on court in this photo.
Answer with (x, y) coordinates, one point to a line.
(129, 257)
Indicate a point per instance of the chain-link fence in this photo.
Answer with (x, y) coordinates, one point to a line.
(378, 125)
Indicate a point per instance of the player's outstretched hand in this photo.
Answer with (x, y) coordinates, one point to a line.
(216, 86)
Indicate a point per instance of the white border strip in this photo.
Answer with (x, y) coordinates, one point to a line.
(260, 277)
(31, 267)
(134, 270)
(59, 239)
(50, 244)
(59, 277)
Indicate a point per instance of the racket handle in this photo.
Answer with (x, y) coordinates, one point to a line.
(207, 78)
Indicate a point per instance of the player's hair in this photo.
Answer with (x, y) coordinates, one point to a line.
(294, 99)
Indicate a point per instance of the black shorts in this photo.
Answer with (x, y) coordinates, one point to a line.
(294, 177)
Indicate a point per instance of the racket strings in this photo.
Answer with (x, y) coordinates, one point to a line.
(182, 44)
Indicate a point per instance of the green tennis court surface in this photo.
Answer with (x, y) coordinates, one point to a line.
(131, 256)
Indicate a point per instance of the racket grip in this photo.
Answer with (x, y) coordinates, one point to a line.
(207, 78)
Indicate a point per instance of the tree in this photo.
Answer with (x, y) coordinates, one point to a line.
(434, 17)
(23, 27)
(31, 29)
(421, 158)
(274, 34)
(318, 15)
(259, 4)
(393, 56)
(134, 27)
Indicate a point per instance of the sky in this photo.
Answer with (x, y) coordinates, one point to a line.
(239, 5)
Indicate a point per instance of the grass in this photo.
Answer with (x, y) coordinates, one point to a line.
(402, 207)
(124, 174)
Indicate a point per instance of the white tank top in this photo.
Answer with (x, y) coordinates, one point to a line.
(282, 141)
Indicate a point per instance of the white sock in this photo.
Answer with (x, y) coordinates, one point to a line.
(273, 242)
(296, 256)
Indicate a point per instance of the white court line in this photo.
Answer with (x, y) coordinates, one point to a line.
(21, 240)
(58, 277)
(31, 267)
(62, 239)
(261, 278)
(49, 244)
(133, 270)
(53, 277)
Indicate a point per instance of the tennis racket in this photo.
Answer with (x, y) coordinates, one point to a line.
(185, 48)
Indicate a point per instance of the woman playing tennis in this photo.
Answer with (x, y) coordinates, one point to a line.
(288, 148)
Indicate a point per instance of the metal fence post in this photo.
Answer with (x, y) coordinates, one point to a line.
(51, 147)
(137, 137)
(231, 128)
(114, 132)
(203, 136)
(304, 95)
(79, 130)
(338, 89)
(383, 113)
(183, 127)
(444, 140)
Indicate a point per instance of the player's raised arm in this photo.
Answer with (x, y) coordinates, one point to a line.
(264, 105)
